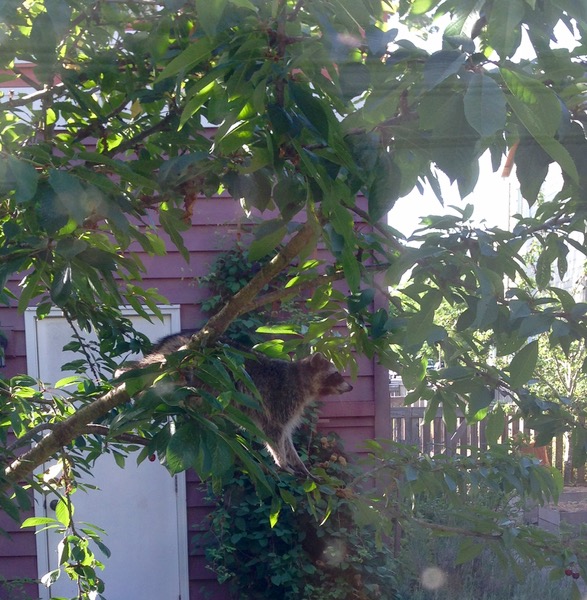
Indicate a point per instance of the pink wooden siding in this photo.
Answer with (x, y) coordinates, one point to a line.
(18, 560)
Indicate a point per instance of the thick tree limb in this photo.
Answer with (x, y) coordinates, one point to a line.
(242, 301)
(66, 431)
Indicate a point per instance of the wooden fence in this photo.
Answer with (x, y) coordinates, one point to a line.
(408, 426)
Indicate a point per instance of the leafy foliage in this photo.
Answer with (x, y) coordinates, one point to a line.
(230, 273)
(479, 499)
(314, 546)
(312, 106)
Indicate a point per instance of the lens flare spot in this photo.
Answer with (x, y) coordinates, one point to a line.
(334, 553)
(433, 578)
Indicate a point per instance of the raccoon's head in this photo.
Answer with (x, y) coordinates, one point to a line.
(325, 376)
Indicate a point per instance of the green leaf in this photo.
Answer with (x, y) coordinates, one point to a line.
(61, 286)
(210, 13)
(288, 498)
(523, 364)
(183, 448)
(479, 400)
(311, 107)
(494, 425)
(546, 116)
(414, 372)
(279, 329)
(60, 14)
(43, 44)
(31, 287)
(274, 511)
(420, 7)
(64, 511)
(62, 551)
(485, 105)
(67, 381)
(351, 267)
(449, 413)
(354, 79)
(255, 188)
(532, 164)
(271, 237)
(70, 247)
(70, 194)
(421, 325)
(384, 191)
(173, 222)
(98, 259)
(24, 177)
(289, 195)
(193, 55)
(544, 266)
(36, 521)
(469, 549)
(503, 27)
(540, 111)
(440, 65)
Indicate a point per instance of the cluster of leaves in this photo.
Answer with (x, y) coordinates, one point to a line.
(312, 105)
(478, 498)
(467, 268)
(304, 542)
(76, 556)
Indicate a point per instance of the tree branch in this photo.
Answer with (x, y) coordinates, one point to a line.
(456, 530)
(304, 286)
(30, 98)
(145, 133)
(243, 299)
(92, 428)
(63, 433)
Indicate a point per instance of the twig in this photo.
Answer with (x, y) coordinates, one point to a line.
(35, 96)
(456, 530)
(295, 290)
(91, 429)
(61, 435)
(27, 79)
(145, 133)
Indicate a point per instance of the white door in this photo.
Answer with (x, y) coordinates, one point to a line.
(142, 508)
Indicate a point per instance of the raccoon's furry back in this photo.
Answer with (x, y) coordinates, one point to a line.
(285, 388)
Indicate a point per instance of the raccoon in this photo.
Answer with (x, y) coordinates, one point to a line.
(285, 388)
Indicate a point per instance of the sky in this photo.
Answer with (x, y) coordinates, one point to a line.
(495, 198)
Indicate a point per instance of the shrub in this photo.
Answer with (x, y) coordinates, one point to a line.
(316, 548)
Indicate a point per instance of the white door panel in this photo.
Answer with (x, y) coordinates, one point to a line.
(142, 508)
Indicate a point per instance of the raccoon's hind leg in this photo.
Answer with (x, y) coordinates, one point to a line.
(279, 455)
(293, 458)
(283, 451)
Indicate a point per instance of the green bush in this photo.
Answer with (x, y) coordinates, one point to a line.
(316, 548)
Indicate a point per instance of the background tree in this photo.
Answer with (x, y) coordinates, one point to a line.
(315, 103)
